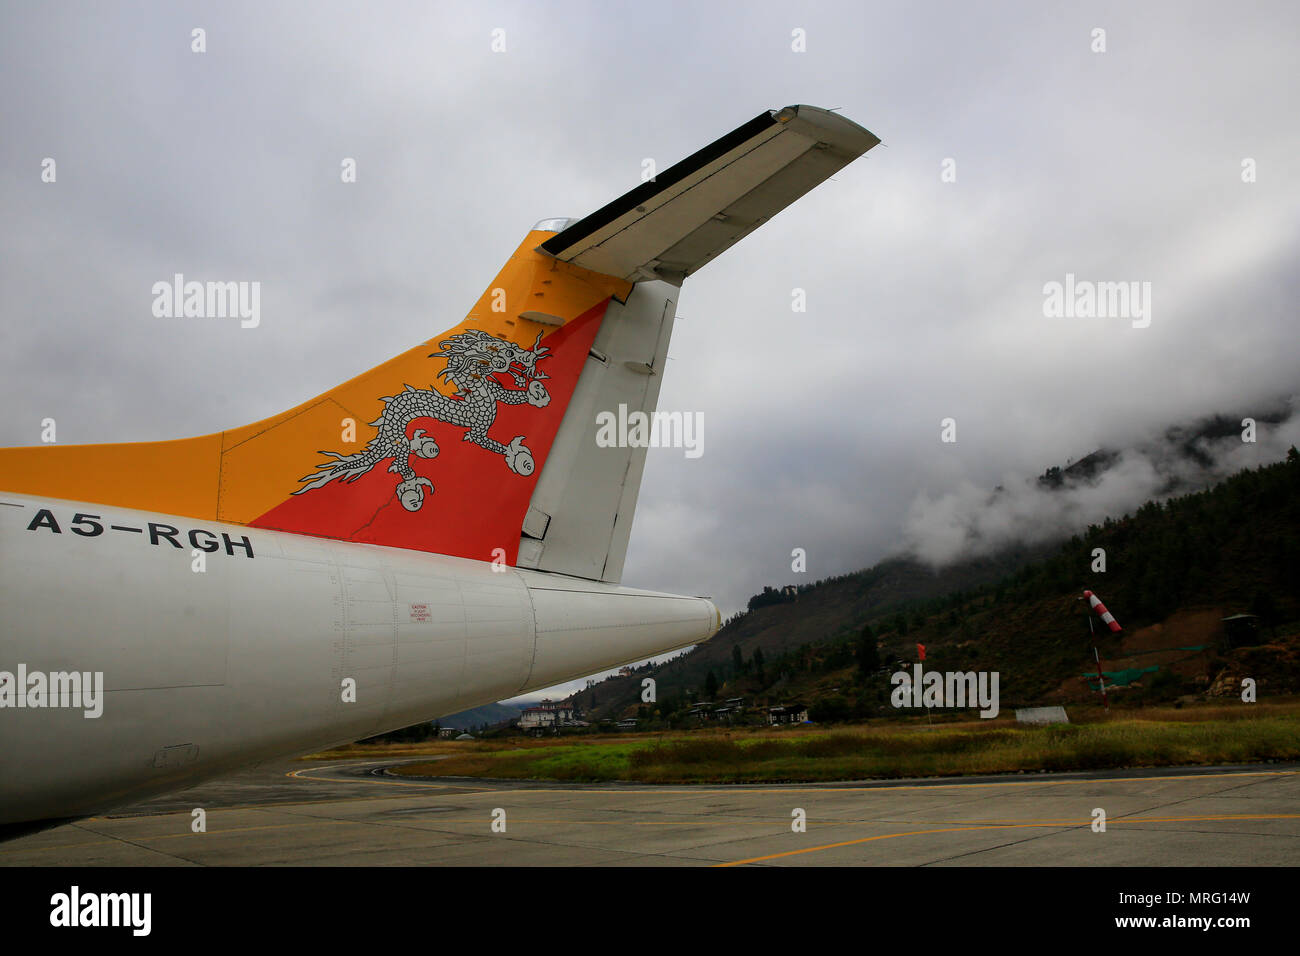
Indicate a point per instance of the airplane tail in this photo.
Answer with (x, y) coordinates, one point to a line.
(482, 441)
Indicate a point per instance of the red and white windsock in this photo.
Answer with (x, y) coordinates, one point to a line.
(1104, 614)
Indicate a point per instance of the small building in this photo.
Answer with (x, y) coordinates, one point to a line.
(446, 733)
(548, 714)
(627, 723)
(787, 714)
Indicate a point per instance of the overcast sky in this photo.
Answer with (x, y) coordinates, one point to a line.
(822, 428)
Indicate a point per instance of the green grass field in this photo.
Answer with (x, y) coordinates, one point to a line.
(1156, 737)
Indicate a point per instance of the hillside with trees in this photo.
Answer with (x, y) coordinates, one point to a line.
(1172, 571)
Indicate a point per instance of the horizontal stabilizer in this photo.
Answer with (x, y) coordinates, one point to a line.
(670, 226)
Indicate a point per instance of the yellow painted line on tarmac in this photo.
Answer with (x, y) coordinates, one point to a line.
(835, 846)
(736, 791)
(480, 821)
(741, 789)
(1001, 826)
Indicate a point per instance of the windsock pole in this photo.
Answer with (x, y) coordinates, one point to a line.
(1101, 678)
(1095, 603)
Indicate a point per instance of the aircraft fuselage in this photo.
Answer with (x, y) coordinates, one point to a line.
(217, 646)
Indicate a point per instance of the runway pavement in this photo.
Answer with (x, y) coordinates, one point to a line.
(351, 813)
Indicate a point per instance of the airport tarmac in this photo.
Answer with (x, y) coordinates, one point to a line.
(352, 813)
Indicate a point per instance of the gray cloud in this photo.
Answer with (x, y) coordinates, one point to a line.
(967, 521)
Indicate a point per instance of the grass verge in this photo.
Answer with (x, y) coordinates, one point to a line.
(885, 752)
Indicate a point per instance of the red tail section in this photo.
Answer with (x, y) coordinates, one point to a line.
(471, 501)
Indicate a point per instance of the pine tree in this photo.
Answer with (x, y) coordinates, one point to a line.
(868, 653)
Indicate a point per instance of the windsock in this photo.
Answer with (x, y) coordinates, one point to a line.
(1104, 614)
(920, 651)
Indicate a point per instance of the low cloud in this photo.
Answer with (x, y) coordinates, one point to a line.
(969, 521)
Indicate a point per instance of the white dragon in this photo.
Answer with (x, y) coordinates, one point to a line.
(473, 360)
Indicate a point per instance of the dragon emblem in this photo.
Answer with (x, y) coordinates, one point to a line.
(474, 359)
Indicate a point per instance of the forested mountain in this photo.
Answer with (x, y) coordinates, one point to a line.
(1172, 570)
